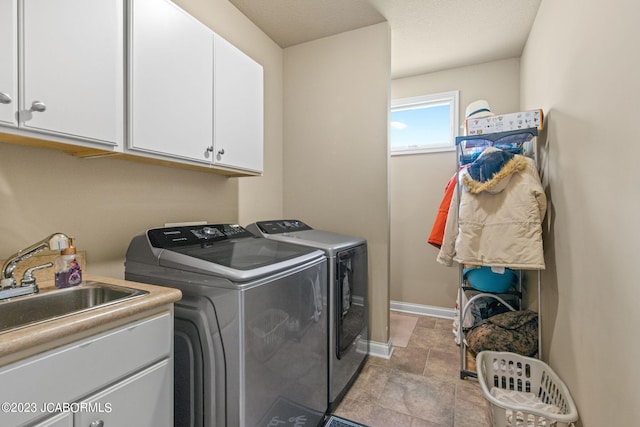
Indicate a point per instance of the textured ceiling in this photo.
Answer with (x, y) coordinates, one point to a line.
(426, 35)
(291, 22)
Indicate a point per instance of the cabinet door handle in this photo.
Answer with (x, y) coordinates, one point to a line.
(38, 106)
(5, 98)
(98, 423)
(221, 151)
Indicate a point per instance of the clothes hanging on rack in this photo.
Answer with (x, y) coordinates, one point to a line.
(499, 218)
(437, 231)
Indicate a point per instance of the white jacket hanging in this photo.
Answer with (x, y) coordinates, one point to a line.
(500, 214)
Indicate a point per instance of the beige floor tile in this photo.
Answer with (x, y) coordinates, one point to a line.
(439, 339)
(427, 322)
(401, 327)
(469, 416)
(383, 417)
(354, 410)
(469, 390)
(417, 422)
(371, 414)
(429, 399)
(370, 383)
(445, 325)
(411, 360)
(442, 364)
(419, 386)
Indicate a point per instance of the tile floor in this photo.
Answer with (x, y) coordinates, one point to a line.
(419, 386)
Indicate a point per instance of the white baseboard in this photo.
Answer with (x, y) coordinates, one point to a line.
(423, 310)
(378, 349)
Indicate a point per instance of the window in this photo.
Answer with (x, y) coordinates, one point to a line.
(424, 124)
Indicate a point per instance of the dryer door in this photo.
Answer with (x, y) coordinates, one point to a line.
(351, 296)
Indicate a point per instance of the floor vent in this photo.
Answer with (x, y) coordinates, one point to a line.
(335, 421)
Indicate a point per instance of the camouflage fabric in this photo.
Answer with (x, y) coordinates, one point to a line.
(514, 331)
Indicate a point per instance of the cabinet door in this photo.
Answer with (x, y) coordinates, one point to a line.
(171, 82)
(143, 400)
(238, 108)
(73, 68)
(8, 62)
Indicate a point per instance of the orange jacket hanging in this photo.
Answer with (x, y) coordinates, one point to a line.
(437, 231)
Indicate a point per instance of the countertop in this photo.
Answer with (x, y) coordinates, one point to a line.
(30, 340)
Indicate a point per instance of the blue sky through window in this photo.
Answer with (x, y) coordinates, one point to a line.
(420, 127)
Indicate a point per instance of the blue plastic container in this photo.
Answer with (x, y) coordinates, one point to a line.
(485, 280)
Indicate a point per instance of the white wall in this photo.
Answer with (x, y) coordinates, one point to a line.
(336, 102)
(418, 181)
(581, 65)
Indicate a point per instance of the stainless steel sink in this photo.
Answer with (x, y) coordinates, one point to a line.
(29, 310)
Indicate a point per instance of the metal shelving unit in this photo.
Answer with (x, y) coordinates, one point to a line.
(468, 148)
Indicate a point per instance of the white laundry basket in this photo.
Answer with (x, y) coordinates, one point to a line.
(526, 391)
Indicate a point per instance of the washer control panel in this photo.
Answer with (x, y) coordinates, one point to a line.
(171, 237)
(282, 226)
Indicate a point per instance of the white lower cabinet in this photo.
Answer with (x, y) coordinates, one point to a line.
(121, 377)
(140, 401)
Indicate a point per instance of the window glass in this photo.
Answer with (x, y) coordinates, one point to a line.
(424, 124)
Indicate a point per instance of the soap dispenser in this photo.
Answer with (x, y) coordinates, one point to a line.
(67, 268)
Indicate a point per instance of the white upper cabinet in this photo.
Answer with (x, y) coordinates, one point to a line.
(182, 96)
(171, 83)
(72, 69)
(238, 108)
(192, 95)
(8, 62)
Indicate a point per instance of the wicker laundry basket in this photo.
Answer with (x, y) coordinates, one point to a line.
(524, 391)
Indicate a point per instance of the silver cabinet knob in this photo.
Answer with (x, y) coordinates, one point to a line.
(38, 106)
(5, 98)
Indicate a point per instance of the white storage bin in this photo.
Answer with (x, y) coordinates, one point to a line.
(524, 391)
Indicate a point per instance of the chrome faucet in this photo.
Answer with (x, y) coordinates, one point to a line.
(8, 288)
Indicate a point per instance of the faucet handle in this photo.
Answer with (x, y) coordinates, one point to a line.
(28, 279)
(7, 283)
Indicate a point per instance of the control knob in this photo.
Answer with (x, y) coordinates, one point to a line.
(210, 231)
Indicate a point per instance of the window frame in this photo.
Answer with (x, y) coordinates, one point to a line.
(451, 98)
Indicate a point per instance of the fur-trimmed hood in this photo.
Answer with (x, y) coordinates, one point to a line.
(492, 171)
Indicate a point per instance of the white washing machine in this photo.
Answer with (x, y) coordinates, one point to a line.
(250, 333)
(348, 296)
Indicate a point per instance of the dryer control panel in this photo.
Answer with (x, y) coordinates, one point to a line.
(172, 237)
(282, 226)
